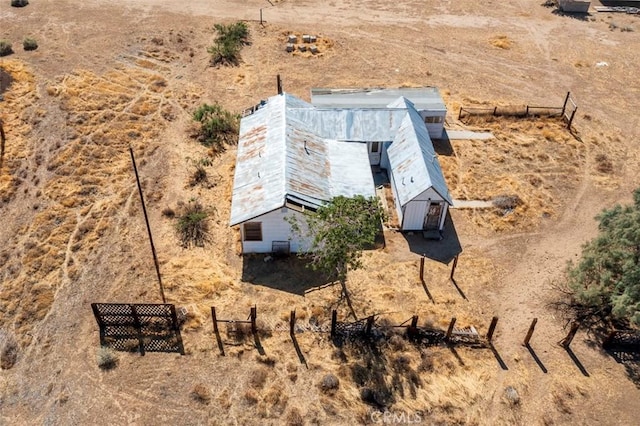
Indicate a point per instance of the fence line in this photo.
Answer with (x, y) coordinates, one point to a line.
(567, 111)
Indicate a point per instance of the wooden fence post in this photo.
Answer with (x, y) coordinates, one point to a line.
(495, 111)
(450, 329)
(412, 329)
(460, 113)
(215, 319)
(136, 323)
(564, 105)
(369, 325)
(566, 342)
(253, 316)
(279, 84)
(453, 267)
(261, 17)
(176, 328)
(422, 269)
(530, 332)
(292, 322)
(334, 320)
(527, 111)
(492, 328)
(573, 114)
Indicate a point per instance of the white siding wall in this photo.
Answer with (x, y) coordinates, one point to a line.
(395, 198)
(429, 195)
(374, 157)
(435, 129)
(384, 160)
(444, 216)
(414, 212)
(275, 228)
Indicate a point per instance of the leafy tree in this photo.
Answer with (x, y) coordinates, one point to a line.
(228, 43)
(339, 231)
(606, 280)
(217, 126)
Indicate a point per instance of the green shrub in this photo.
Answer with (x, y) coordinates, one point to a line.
(19, 3)
(193, 225)
(228, 43)
(29, 44)
(217, 126)
(5, 48)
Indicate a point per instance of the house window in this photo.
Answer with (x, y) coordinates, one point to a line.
(433, 120)
(253, 231)
(375, 147)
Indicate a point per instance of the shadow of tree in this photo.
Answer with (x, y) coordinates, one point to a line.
(381, 369)
(289, 273)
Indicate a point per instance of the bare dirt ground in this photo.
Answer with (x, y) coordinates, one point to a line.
(110, 74)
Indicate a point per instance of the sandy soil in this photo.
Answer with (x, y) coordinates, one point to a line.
(112, 75)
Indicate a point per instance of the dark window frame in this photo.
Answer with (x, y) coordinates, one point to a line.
(252, 231)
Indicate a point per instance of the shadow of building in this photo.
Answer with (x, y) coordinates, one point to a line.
(443, 251)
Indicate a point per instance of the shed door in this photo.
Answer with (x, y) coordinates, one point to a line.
(375, 148)
(432, 218)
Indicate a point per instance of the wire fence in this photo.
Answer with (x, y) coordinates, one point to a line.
(567, 111)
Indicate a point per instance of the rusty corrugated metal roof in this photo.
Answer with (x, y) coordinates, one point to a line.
(281, 155)
(291, 149)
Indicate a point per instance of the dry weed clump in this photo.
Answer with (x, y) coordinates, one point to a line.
(512, 396)
(8, 350)
(201, 393)
(604, 164)
(193, 224)
(107, 358)
(258, 378)
(274, 402)
(501, 42)
(294, 417)
(251, 397)
(329, 384)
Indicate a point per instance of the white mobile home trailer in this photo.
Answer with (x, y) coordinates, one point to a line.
(426, 100)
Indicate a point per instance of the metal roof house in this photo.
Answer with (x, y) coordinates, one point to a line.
(294, 156)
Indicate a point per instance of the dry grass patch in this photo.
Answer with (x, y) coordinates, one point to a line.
(531, 160)
(501, 42)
